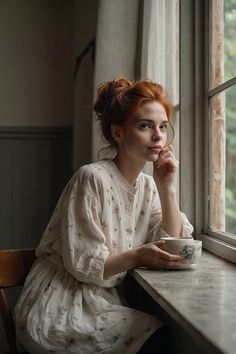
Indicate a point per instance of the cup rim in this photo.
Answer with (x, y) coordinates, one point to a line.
(180, 239)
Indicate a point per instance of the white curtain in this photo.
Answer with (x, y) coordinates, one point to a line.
(160, 44)
(160, 53)
(116, 46)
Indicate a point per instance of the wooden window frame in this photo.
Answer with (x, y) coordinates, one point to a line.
(194, 127)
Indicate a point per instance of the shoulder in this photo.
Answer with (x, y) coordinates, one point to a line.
(94, 175)
(97, 170)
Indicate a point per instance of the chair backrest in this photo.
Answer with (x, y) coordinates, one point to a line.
(15, 265)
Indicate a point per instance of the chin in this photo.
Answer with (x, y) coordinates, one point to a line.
(152, 159)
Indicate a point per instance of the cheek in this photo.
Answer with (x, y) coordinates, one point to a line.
(135, 136)
(165, 138)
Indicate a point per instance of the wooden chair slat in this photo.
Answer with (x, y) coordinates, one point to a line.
(15, 265)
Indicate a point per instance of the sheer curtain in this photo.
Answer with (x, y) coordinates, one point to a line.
(160, 44)
(160, 53)
(116, 47)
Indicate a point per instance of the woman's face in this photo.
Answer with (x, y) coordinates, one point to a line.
(145, 133)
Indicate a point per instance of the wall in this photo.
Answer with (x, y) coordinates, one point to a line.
(36, 63)
(36, 113)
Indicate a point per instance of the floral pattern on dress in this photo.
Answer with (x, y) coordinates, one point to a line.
(66, 304)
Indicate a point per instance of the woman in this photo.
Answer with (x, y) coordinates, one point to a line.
(107, 221)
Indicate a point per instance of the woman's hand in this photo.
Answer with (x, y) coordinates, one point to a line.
(149, 255)
(165, 168)
(152, 256)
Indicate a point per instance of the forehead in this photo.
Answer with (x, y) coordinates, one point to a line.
(151, 109)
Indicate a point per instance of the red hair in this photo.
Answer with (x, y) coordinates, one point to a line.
(119, 99)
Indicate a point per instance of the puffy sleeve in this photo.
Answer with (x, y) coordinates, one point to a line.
(155, 231)
(83, 243)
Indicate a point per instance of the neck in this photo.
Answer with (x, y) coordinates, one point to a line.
(129, 169)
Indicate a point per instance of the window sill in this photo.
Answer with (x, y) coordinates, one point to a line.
(201, 301)
(219, 247)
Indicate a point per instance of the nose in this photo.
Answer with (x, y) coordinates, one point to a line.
(156, 136)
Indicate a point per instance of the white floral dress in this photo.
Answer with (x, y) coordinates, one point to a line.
(66, 306)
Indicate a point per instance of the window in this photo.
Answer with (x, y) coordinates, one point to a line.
(208, 121)
(190, 47)
(222, 132)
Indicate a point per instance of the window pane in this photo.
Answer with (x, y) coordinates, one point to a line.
(222, 41)
(230, 193)
(223, 161)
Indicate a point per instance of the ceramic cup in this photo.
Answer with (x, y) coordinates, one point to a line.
(188, 248)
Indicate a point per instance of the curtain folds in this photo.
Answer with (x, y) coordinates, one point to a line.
(116, 48)
(160, 44)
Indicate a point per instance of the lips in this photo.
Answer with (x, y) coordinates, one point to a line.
(155, 148)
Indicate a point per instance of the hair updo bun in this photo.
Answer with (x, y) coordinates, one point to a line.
(109, 104)
(118, 99)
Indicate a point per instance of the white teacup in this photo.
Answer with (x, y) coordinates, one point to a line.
(187, 248)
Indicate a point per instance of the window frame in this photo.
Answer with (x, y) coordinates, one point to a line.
(194, 126)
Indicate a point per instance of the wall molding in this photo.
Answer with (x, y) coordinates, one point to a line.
(64, 133)
(35, 165)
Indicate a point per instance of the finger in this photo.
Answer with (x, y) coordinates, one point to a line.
(169, 257)
(159, 243)
(166, 154)
(167, 148)
(172, 264)
(167, 160)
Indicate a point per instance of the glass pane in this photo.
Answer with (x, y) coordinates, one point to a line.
(230, 193)
(223, 161)
(222, 41)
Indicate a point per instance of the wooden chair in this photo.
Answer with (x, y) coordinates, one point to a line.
(14, 267)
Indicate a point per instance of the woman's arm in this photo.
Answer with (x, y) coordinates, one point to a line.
(164, 173)
(171, 218)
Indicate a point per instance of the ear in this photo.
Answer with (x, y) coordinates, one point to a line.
(117, 133)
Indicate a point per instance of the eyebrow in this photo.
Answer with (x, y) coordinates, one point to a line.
(151, 120)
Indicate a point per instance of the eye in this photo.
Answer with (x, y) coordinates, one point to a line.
(163, 126)
(145, 125)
